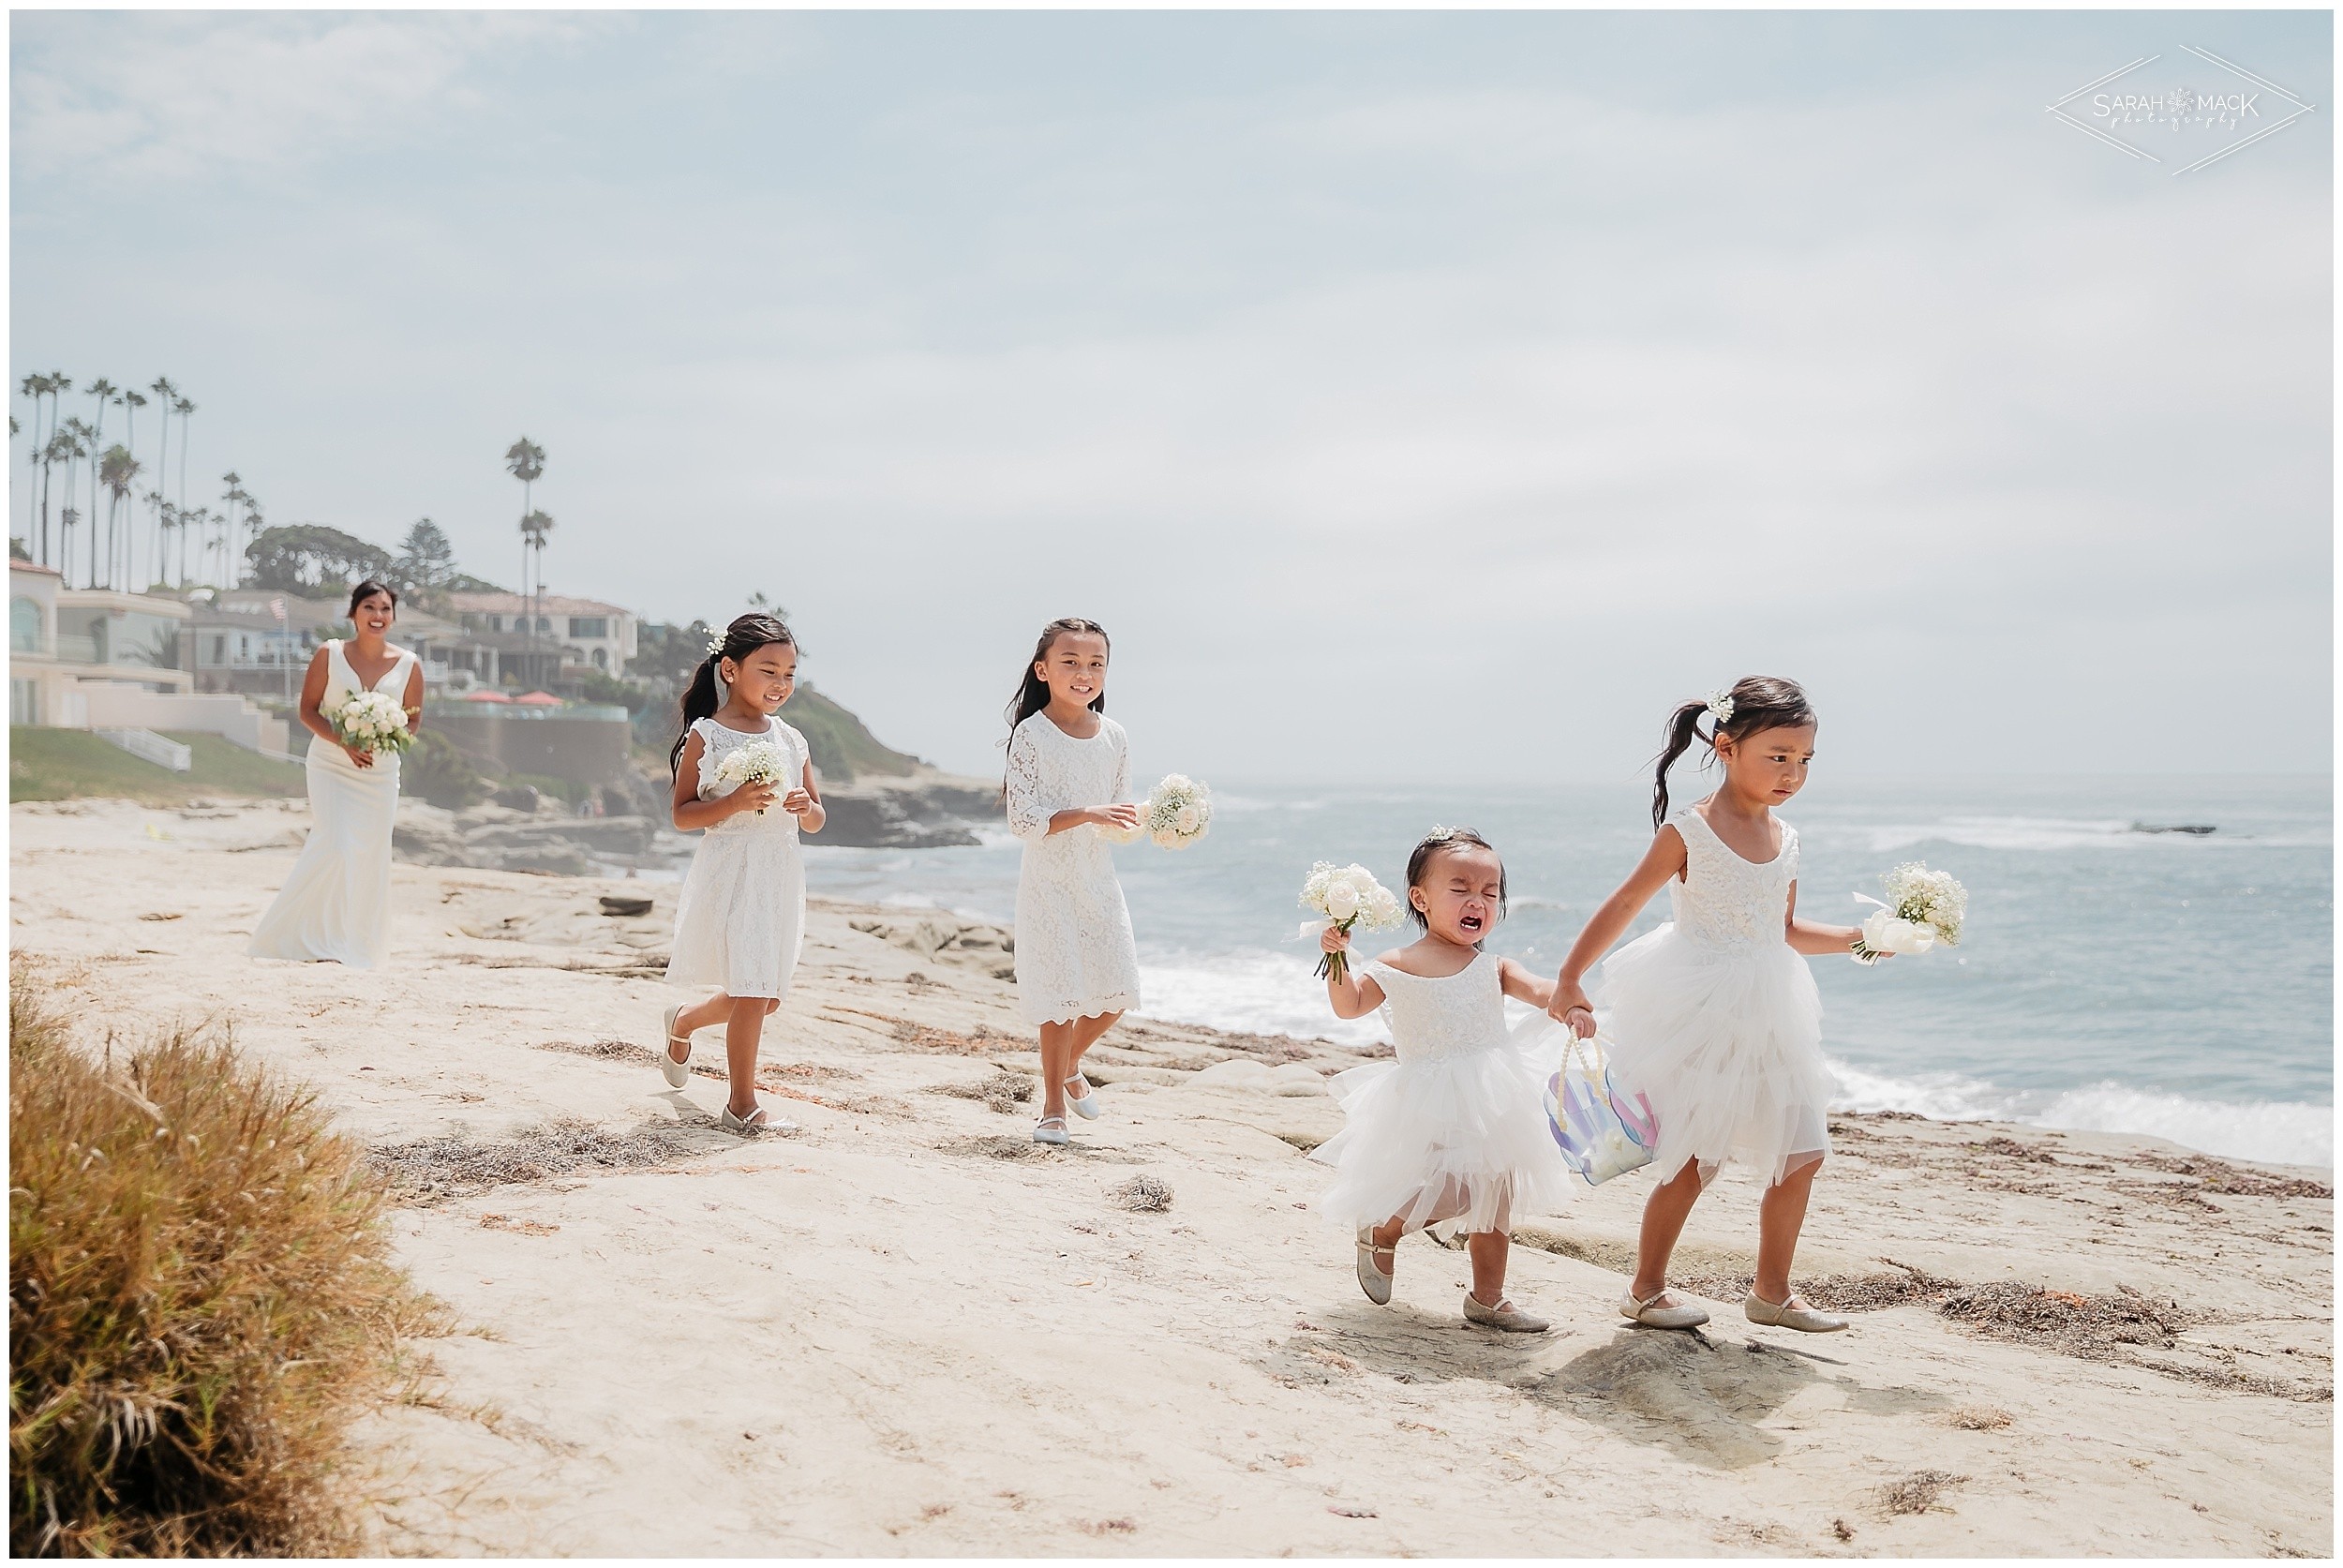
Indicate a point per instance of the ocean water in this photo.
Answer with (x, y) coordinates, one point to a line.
(2109, 979)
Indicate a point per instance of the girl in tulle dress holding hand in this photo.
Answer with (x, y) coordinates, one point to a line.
(1714, 1018)
(1451, 1136)
(1070, 774)
(744, 780)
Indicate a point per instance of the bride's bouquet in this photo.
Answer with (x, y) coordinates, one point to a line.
(373, 723)
(1348, 896)
(759, 762)
(1923, 908)
(1178, 812)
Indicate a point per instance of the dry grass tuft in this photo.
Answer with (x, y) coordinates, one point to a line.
(437, 1168)
(200, 1299)
(1839, 1293)
(2220, 1175)
(1978, 1418)
(1004, 1091)
(1142, 1195)
(1918, 1493)
(2089, 1327)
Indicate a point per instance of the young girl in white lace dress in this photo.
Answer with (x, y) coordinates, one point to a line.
(1451, 1136)
(1069, 770)
(1714, 1017)
(741, 918)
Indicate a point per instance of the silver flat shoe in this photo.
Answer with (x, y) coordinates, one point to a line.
(1650, 1313)
(1372, 1279)
(1505, 1315)
(677, 1073)
(1052, 1129)
(1086, 1107)
(1792, 1313)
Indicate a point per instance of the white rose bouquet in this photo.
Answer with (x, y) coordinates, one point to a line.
(1348, 896)
(373, 723)
(1178, 812)
(759, 762)
(1923, 908)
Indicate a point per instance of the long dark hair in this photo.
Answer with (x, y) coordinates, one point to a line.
(741, 639)
(1759, 702)
(1431, 844)
(1033, 693)
(366, 591)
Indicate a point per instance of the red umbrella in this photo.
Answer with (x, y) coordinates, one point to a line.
(484, 696)
(539, 699)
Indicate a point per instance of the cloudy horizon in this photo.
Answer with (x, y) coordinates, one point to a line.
(1415, 396)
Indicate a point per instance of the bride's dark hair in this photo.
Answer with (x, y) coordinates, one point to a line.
(741, 639)
(1033, 693)
(1759, 702)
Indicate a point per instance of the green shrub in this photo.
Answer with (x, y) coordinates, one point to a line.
(434, 770)
(201, 1298)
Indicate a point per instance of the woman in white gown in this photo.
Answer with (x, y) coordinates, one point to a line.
(337, 903)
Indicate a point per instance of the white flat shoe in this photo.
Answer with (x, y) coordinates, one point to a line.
(754, 1122)
(1505, 1315)
(1650, 1313)
(1792, 1313)
(1086, 1107)
(1052, 1129)
(1372, 1279)
(677, 1073)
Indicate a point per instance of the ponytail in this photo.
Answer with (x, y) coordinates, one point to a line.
(736, 641)
(1753, 703)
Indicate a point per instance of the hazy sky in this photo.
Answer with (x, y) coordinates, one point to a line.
(1413, 396)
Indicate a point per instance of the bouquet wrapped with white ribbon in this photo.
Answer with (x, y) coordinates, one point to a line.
(1923, 908)
(1177, 812)
(759, 762)
(371, 721)
(1346, 896)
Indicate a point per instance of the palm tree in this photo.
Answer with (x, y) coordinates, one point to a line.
(35, 386)
(185, 410)
(103, 391)
(534, 527)
(234, 496)
(116, 468)
(80, 440)
(55, 383)
(526, 461)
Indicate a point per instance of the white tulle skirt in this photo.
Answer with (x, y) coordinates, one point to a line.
(1452, 1143)
(1725, 1043)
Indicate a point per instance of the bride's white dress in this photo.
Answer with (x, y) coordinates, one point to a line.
(1715, 1018)
(337, 903)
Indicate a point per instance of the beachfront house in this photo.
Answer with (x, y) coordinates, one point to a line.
(569, 637)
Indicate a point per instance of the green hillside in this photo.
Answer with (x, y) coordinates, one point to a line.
(72, 763)
(843, 748)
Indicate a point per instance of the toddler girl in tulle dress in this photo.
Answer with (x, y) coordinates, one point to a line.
(1451, 1136)
(1714, 1018)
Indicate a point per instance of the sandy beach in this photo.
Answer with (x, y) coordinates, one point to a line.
(906, 1329)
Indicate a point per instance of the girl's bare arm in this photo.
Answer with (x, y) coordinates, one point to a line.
(1354, 995)
(691, 813)
(1662, 860)
(1522, 986)
(805, 804)
(1813, 937)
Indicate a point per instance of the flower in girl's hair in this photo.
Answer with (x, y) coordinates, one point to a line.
(1924, 907)
(715, 643)
(1721, 706)
(1178, 812)
(1348, 896)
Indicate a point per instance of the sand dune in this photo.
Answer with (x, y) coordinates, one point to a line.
(908, 1330)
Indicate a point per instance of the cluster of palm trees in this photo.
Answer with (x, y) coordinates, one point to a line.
(526, 461)
(113, 555)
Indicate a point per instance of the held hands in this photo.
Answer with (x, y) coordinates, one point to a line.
(1570, 1008)
(359, 759)
(753, 797)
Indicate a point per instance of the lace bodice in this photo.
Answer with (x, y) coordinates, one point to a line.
(717, 742)
(1050, 772)
(1724, 900)
(1452, 1015)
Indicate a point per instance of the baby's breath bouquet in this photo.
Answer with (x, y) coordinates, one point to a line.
(1348, 896)
(1923, 908)
(759, 762)
(373, 723)
(1178, 812)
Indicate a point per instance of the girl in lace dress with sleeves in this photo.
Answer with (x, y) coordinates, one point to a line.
(741, 918)
(1069, 773)
(1714, 1017)
(337, 903)
(1452, 1135)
